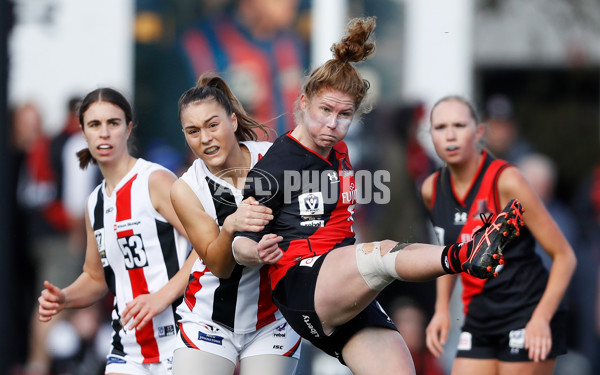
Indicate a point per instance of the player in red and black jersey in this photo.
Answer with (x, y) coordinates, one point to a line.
(513, 322)
(324, 285)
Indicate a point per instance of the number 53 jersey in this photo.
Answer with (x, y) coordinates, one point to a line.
(140, 251)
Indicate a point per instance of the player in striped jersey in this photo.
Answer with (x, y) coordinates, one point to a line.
(135, 247)
(228, 314)
(322, 282)
(514, 323)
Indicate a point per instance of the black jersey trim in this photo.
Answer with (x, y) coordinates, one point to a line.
(168, 246)
(225, 299)
(223, 200)
(109, 274)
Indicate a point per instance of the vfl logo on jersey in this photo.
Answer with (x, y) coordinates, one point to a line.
(460, 218)
(99, 234)
(311, 203)
(133, 251)
(166, 331)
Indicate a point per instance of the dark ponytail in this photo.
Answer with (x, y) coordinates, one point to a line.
(212, 87)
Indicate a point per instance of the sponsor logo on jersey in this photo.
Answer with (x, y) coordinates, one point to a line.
(213, 339)
(333, 177)
(349, 196)
(109, 210)
(313, 223)
(166, 331)
(127, 224)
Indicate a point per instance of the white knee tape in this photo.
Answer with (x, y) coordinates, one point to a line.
(378, 271)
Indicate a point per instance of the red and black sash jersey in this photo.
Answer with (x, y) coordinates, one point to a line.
(507, 301)
(312, 199)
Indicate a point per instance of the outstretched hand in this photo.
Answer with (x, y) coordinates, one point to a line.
(142, 309)
(51, 300)
(268, 249)
(250, 216)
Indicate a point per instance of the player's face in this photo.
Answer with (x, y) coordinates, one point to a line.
(209, 131)
(106, 131)
(454, 132)
(326, 119)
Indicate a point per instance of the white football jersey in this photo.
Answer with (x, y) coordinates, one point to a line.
(242, 302)
(140, 252)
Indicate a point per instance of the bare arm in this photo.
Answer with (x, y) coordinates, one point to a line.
(439, 326)
(250, 253)
(211, 244)
(87, 289)
(512, 184)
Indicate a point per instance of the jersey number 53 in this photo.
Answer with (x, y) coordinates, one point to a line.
(133, 251)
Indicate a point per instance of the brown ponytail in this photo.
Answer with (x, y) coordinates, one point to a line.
(210, 86)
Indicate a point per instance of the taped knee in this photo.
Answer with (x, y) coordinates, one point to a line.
(377, 271)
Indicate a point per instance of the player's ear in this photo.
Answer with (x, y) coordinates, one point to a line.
(234, 122)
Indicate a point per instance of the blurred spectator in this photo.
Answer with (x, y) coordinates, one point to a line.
(502, 134)
(541, 172)
(51, 194)
(74, 345)
(410, 320)
(254, 49)
(587, 278)
(25, 129)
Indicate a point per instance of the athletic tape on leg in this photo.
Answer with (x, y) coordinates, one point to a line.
(377, 271)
